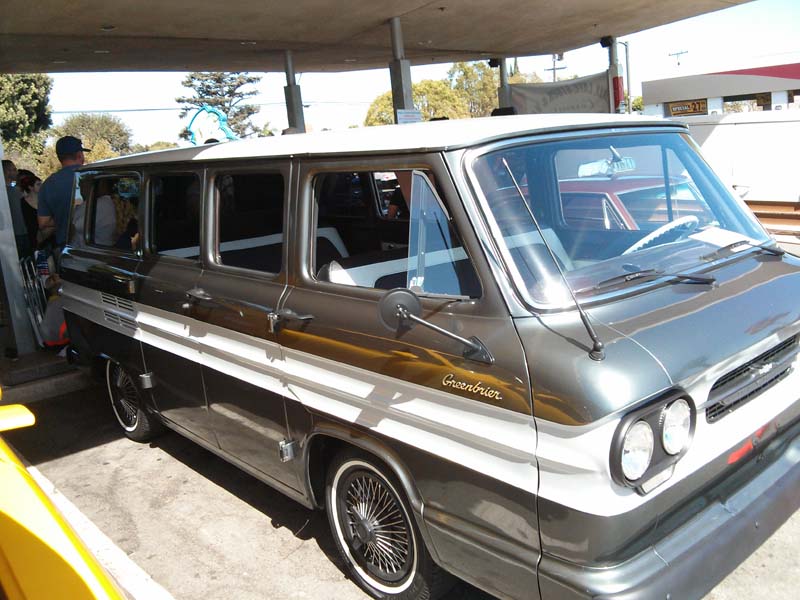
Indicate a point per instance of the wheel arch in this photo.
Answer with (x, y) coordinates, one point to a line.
(334, 437)
(329, 438)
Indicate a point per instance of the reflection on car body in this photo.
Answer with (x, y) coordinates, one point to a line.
(508, 383)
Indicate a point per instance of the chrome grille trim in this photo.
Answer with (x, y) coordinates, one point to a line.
(739, 386)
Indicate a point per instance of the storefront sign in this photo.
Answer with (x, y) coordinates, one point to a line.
(687, 107)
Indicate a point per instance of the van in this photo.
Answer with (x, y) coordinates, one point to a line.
(551, 355)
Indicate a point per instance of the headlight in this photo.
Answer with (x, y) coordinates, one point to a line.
(637, 450)
(677, 426)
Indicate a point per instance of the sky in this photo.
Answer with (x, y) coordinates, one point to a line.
(763, 32)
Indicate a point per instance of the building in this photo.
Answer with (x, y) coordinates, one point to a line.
(775, 87)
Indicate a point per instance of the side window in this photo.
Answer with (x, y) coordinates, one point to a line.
(422, 250)
(175, 215)
(437, 261)
(250, 220)
(113, 212)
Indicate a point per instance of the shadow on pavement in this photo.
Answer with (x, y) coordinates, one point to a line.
(304, 524)
(71, 423)
(66, 425)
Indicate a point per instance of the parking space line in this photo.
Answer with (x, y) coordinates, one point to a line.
(138, 585)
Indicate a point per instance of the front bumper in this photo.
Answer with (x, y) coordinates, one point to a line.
(693, 558)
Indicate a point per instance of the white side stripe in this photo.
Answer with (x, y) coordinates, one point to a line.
(490, 440)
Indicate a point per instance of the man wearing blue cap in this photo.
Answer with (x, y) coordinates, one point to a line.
(55, 195)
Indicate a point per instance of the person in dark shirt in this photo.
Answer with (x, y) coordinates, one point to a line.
(30, 184)
(55, 196)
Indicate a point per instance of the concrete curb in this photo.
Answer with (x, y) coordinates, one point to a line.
(47, 387)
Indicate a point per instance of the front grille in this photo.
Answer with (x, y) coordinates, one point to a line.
(734, 389)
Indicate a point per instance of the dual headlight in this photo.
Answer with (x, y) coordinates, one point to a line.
(650, 440)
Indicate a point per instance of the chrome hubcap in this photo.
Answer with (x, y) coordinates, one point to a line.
(376, 527)
(124, 398)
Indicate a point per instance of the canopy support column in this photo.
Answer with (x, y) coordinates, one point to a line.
(504, 91)
(12, 279)
(294, 99)
(399, 71)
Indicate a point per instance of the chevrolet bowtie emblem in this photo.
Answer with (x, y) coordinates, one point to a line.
(762, 369)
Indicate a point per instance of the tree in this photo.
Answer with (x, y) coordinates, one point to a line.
(638, 104)
(103, 133)
(138, 148)
(478, 83)
(433, 98)
(223, 91)
(24, 111)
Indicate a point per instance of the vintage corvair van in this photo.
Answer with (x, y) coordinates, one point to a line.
(481, 371)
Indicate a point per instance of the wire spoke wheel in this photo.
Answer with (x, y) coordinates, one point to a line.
(124, 396)
(376, 527)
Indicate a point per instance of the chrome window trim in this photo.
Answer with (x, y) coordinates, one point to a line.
(209, 251)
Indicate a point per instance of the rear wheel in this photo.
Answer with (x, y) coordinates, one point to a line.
(375, 532)
(138, 424)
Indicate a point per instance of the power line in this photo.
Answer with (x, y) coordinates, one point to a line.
(128, 110)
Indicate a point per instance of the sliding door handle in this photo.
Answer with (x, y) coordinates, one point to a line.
(277, 319)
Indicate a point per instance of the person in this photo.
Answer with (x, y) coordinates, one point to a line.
(398, 208)
(105, 214)
(10, 174)
(55, 195)
(29, 184)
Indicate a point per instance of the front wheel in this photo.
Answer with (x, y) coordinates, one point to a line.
(375, 533)
(138, 424)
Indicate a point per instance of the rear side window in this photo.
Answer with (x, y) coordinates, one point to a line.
(110, 208)
(250, 220)
(175, 215)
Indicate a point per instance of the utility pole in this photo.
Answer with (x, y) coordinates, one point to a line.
(677, 55)
(554, 68)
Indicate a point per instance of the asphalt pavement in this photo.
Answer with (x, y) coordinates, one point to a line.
(201, 528)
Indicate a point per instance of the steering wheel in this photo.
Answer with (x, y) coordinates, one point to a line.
(683, 226)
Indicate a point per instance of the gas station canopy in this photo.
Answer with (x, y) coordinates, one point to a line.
(323, 35)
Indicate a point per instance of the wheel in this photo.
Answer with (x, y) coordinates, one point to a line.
(138, 424)
(681, 226)
(375, 533)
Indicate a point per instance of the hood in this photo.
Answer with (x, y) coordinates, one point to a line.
(674, 335)
(695, 328)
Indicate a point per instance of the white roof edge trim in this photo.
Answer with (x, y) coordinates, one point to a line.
(416, 137)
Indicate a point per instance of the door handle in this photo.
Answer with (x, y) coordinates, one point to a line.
(277, 319)
(129, 281)
(196, 295)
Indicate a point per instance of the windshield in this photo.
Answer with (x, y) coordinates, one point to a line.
(607, 205)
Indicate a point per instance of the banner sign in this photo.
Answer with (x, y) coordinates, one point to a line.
(588, 94)
(687, 107)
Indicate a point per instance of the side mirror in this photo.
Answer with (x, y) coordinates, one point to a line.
(400, 308)
(396, 305)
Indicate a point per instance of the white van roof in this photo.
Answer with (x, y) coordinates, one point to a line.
(413, 137)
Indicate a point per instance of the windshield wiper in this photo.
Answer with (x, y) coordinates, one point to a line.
(773, 249)
(625, 278)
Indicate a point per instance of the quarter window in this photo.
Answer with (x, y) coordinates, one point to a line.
(175, 214)
(250, 210)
